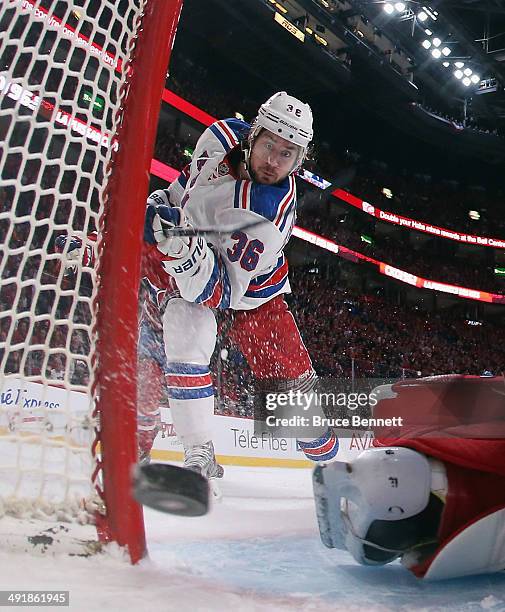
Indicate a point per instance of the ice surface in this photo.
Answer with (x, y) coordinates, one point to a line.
(257, 550)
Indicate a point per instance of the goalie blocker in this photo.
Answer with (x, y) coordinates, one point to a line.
(433, 492)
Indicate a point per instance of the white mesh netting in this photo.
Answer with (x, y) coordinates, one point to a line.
(63, 69)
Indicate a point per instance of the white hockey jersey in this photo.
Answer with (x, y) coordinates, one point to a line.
(245, 268)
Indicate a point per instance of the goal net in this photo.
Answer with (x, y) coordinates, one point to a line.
(80, 90)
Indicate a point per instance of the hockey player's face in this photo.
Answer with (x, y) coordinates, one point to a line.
(272, 158)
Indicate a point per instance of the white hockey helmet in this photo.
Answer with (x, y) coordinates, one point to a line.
(287, 117)
(364, 506)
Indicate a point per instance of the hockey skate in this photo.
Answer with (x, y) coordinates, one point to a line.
(145, 440)
(144, 457)
(201, 459)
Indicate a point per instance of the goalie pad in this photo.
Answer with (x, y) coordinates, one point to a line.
(477, 549)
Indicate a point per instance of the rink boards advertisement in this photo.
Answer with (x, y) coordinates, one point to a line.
(237, 443)
(30, 407)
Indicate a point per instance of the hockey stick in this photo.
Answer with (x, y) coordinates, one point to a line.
(182, 232)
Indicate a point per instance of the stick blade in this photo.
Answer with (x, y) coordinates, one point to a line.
(171, 489)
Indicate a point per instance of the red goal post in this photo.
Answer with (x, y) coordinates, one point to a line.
(80, 91)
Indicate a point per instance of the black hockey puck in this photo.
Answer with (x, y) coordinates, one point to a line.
(172, 489)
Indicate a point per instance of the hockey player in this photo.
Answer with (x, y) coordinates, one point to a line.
(151, 362)
(241, 176)
(74, 253)
(433, 491)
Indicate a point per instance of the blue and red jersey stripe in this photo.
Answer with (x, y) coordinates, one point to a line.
(267, 284)
(188, 381)
(225, 134)
(286, 205)
(217, 291)
(321, 449)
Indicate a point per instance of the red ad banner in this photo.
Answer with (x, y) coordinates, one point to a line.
(420, 226)
(423, 283)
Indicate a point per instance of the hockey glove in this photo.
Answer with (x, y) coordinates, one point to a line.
(71, 247)
(184, 254)
(74, 244)
(161, 216)
(159, 221)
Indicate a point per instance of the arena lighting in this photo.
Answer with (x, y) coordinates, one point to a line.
(459, 64)
(428, 32)
(474, 215)
(287, 25)
(279, 7)
(389, 8)
(422, 16)
(426, 44)
(475, 78)
(170, 174)
(446, 64)
(467, 72)
(436, 53)
(446, 51)
(437, 42)
(400, 7)
(458, 74)
(466, 82)
(430, 12)
(321, 40)
(313, 179)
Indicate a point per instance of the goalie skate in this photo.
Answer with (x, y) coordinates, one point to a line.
(327, 509)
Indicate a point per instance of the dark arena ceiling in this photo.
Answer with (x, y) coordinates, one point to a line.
(357, 83)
